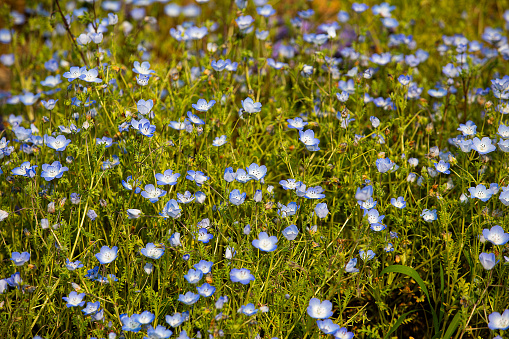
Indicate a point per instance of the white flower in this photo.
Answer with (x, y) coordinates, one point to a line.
(3, 215)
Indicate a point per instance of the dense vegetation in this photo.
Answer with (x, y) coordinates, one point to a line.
(249, 169)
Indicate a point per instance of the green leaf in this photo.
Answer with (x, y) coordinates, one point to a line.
(397, 324)
(414, 275)
(453, 326)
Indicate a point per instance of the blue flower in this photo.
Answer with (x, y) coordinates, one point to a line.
(399, 202)
(256, 172)
(480, 192)
(374, 217)
(438, 92)
(359, 7)
(219, 141)
(327, 326)
(91, 76)
(265, 243)
(367, 205)
(429, 215)
(143, 69)
(345, 121)
(203, 106)
(244, 22)
(91, 308)
(146, 318)
(189, 298)
(220, 302)
(321, 210)
(159, 332)
(289, 210)
(307, 70)
(231, 66)
(483, 146)
(242, 275)
(405, 79)
(129, 182)
(171, 209)
(193, 276)
(143, 127)
(375, 122)
(19, 259)
(249, 106)
(384, 9)
(144, 107)
(55, 170)
(206, 290)
(319, 310)
(74, 299)
(167, 178)
(384, 165)
(265, 11)
(218, 65)
(276, 64)
(343, 96)
(204, 266)
(229, 174)
(350, 266)
(50, 104)
(366, 255)
(258, 196)
(291, 232)
(236, 198)
(22, 134)
(130, 324)
(198, 177)
(289, 184)
(229, 253)
(74, 73)
(308, 139)
(377, 227)
(175, 320)
(142, 80)
(15, 281)
(343, 333)
(58, 144)
(306, 14)
(25, 170)
(496, 235)
(124, 127)
(390, 22)
(106, 255)
(248, 309)
(179, 126)
(195, 119)
(389, 248)
(185, 198)
(500, 87)
(242, 176)
(296, 123)
(152, 193)
(196, 33)
(204, 236)
(443, 167)
(499, 321)
(153, 251)
(183, 335)
(488, 260)
(73, 265)
(93, 273)
(314, 193)
(104, 141)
